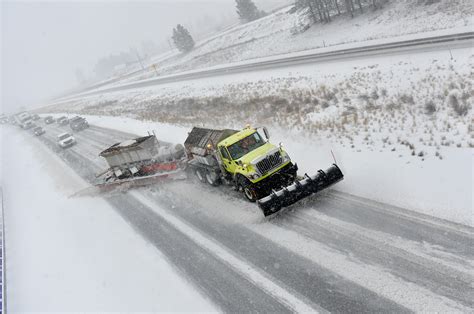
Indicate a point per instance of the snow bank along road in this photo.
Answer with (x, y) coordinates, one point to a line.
(334, 252)
(444, 42)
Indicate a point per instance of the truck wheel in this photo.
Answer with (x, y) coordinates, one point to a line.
(199, 174)
(250, 194)
(248, 189)
(212, 178)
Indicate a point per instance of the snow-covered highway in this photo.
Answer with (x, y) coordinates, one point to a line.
(334, 252)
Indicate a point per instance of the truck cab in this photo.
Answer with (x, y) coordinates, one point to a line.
(256, 165)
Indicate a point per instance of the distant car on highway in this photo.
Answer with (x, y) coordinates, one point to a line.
(78, 123)
(39, 131)
(66, 140)
(27, 125)
(48, 120)
(62, 120)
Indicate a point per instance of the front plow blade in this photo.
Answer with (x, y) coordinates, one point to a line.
(299, 190)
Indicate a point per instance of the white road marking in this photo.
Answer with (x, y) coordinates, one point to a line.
(259, 278)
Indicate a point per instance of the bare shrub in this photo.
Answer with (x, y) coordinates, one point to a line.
(407, 99)
(392, 106)
(430, 107)
(459, 107)
(363, 97)
(374, 94)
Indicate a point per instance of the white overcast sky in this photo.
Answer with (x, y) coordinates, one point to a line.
(43, 43)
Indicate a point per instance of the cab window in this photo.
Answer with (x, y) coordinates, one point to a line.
(224, 152)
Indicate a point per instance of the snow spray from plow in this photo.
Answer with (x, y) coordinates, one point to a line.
(300, 189)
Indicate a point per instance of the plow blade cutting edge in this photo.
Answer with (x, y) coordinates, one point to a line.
(300, 189)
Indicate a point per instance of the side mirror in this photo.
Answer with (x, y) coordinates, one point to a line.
(267, 134)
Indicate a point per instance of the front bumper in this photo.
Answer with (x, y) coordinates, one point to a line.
(67, 145)
(79, 127)
(277, 180)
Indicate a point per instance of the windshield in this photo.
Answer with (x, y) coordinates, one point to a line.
(64, 136)
(245, 145)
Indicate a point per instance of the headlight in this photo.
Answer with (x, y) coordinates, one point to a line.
(285, 157)
(254, 176)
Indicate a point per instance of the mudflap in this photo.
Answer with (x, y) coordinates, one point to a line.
(299, 189)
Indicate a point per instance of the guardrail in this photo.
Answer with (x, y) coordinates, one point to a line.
(284, 61)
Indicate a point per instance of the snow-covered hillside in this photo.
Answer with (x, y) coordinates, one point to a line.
(278, 33)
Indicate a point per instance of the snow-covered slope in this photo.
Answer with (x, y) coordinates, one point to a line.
(275, 33)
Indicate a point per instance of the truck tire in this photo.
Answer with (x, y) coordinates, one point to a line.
(248, 189)
(212, 178)
(200, 175)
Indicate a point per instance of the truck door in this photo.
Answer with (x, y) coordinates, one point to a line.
(227, 162)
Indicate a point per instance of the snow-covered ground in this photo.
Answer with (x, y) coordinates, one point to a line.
(77, 254)
(275, 34)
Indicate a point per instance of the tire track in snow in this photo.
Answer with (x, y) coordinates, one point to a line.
(398, 256)
(259, 278)
(376, 279)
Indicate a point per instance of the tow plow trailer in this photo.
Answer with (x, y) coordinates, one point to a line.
(139, 162)
(299, 190)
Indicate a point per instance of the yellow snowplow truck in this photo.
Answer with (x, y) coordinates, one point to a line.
(247, 160)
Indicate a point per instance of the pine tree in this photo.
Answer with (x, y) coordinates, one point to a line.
(321, 11)
(182, 39)
(247, 10)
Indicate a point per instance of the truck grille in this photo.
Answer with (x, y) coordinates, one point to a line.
(270, 162)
